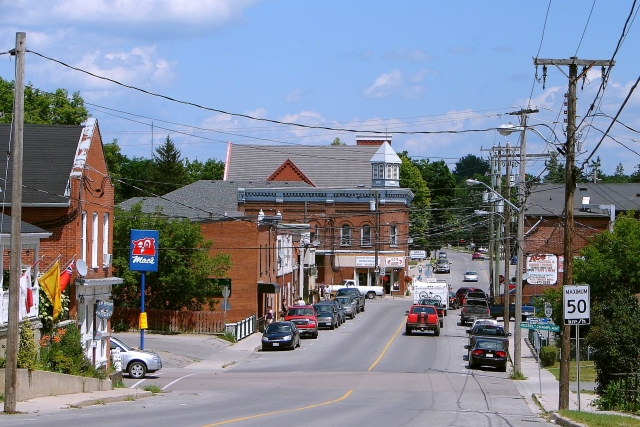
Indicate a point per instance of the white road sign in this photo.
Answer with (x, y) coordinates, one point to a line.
(577, 304)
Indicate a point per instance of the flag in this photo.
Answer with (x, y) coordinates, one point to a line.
(65, 277)
(50, 284)
(25, 289)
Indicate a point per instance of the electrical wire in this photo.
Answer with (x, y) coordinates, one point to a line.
(585, 28)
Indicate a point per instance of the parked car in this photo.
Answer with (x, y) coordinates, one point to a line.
(350, 305)
(470, 276)
(304, 317)
(137, 363)
(477, 256)
(514, 260)
(488, 352)
(327, 316)
(281, 335)
(354, 292)
(342, 316)
(487, 331)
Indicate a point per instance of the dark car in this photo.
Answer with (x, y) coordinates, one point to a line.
(488, 352)
(487, 330)
(353, 292)
(350, 305)
(462, 292)
(304, 317)
(327, 316)
(281, 335)
(342, 317)
(514, 260)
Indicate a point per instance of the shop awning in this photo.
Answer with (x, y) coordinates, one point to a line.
(268, 288)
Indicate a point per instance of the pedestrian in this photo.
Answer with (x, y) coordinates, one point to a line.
(300, 302)
(284, 307)
(269, 316)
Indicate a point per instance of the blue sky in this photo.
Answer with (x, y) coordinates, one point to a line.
(377, 65)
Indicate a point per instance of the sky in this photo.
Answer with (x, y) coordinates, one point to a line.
(242, 71)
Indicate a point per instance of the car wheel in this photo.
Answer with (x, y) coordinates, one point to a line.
(407, 331)
(371, 295)
(333, 325)
(437, 332)
(137, 370)
(315, 335)
(503, 368)
(362, 309)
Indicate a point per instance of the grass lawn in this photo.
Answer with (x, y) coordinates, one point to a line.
(587, 371)
(600, 420)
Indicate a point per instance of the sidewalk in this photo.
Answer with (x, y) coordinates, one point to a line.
(215, 354)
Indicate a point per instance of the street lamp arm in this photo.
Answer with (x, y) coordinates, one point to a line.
(474, 182)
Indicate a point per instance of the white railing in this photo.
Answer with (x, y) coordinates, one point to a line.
(31, 314)
(243, 328)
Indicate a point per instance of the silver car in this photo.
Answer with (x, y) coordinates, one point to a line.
(350, 306)
(137, 363)
(471, 276)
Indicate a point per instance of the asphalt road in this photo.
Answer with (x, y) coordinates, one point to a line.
(365, 373)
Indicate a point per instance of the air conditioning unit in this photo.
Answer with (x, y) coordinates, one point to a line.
(106, 260)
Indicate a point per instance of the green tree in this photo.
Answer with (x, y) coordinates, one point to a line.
(185, 269)
(556, 170)
(410, 177)
(618, 176)
(471, 166)
(135, 179)
(212, 169)
(337, 142)
(168, 172)
(40, 107)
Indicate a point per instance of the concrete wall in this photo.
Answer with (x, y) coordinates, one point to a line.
(33, 384)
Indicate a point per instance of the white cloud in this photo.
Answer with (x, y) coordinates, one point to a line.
(385, 85)
(294, 96)
(413, 55)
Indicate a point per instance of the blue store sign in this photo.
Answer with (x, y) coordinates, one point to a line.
(143, 254)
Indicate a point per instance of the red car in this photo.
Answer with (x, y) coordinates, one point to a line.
(304, 317)
(477, 255)
(461, 293)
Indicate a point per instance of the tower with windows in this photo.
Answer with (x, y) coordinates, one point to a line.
(385, 167)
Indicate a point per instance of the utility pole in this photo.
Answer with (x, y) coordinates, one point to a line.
(497, 203)
(13, 332)
(507, 241)
(571, 173)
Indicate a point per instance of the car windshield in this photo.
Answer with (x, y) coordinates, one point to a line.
(471, 273)
(427, 310)
(344, 300)
(431, 301)
(323, 309)
(347, 292)
(476, 302)
(278, 328)
(300, 312)
(120, 343)
(490, 345)
(489, 330)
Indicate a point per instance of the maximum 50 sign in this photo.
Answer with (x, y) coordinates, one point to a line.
(577, 304)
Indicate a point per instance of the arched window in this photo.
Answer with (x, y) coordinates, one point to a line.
(83, 244)
(94, 240)
(345, 235)
(366, 235)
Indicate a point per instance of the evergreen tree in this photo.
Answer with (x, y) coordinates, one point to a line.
(556, 170)
(337, 142)
(168, 172)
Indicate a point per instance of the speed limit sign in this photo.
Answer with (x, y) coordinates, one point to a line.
(577, 304)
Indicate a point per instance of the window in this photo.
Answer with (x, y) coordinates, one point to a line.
(345, 235)
(83, 243)
(393, 235)
(396, 172)
(366, 236)
(105, 238)
(389, 171)
(94, 240)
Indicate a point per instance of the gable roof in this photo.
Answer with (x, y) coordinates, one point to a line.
(204, 200)
(326, 165)
(291, 168)
(548, 199)
(385, 154)
(49, 152)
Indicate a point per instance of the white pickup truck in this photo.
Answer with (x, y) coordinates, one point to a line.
(369, 291)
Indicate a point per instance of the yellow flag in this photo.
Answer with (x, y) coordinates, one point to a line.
(50, 283)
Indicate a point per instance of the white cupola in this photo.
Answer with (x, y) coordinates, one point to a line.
(385, 167)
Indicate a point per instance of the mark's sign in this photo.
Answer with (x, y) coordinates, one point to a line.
(144, 250)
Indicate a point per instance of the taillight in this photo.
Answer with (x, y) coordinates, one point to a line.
(464, 310)
(501, 354)
(477, 352)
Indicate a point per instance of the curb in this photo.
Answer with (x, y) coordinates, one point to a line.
(111, 399)
(565, 422)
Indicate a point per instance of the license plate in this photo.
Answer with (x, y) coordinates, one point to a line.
(486, 355)
(276, 344)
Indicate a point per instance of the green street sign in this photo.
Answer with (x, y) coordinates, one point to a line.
(540, 326)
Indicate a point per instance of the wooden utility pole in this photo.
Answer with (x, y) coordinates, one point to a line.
(571, 173)
(13, 331)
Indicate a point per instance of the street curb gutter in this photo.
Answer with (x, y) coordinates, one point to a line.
(135, 395)
(565, 422)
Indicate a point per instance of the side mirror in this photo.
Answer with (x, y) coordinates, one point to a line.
(468, 331)
(509, 334)
(466, 347)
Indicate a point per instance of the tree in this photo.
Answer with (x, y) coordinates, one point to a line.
(337, 142)
(410, 177)
(556, 170)
(471, 166)
(43, 107)
(185, 269)
(212, 169)
(168, 172)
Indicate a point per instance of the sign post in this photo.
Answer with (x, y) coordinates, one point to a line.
(143, 257)
(576, 301)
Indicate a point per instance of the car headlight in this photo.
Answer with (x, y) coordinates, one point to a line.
(265, 339)
(287, 338)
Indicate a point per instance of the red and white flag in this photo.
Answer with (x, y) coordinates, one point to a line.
(65, 276)
(25, 289)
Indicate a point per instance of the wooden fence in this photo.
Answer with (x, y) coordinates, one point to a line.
(197, 322)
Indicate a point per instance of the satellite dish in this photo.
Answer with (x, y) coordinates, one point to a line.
(81, 267)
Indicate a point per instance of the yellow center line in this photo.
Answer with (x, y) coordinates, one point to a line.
(386, 347)
(249, 417)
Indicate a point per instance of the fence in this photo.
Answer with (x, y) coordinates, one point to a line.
(243, 328)
(4, 305)
(197, 322)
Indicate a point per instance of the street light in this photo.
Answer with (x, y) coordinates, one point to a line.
(495, 193)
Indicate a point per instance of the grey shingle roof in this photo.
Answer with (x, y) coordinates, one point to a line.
(326, 165)
(25, 227)
(204, 199)
(48, 155)
(548, 199)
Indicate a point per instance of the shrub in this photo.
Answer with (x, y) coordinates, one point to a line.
(548, 355)
(28, 348)
(63, 352)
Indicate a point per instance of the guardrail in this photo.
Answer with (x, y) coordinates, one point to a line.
(243, 328)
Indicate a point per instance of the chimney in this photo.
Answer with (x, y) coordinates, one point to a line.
(373, 139)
